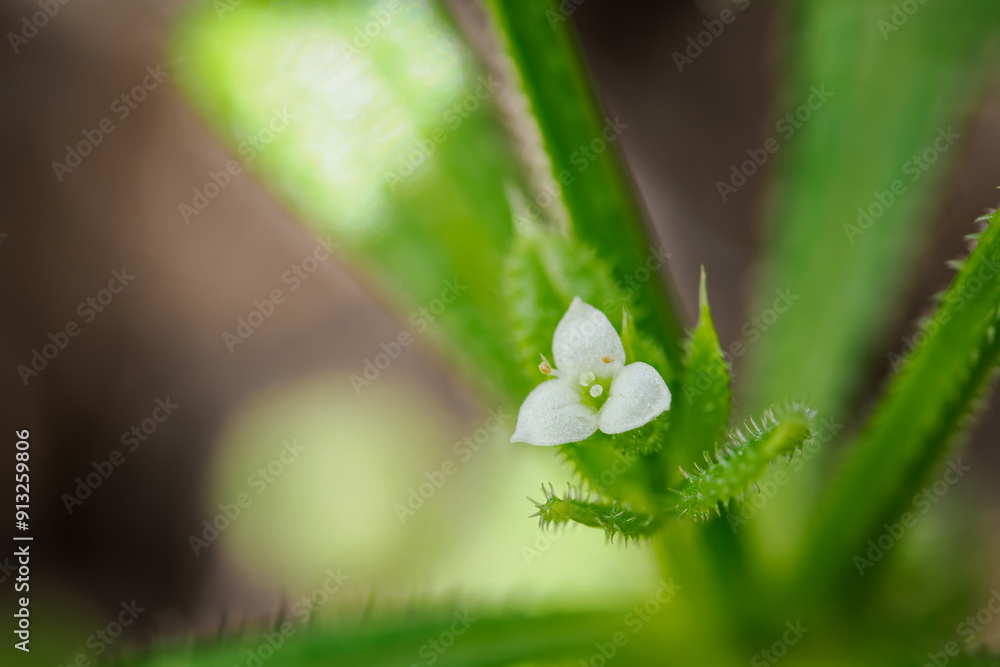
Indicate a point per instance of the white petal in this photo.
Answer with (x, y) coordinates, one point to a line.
(583, 339)
(554, 415)
(638, 395)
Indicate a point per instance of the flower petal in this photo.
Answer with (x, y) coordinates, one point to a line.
(638, 395)
(583, 339)
(553, 414)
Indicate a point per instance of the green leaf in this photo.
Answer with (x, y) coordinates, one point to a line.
(927, 404)
(614, 518)
(602, 209)
(893, 91)
(743, 461)
(700, 414)
(891, 95)
(373, 157)
(485, 641)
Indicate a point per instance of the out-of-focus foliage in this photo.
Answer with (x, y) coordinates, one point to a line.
(444, 638)
(395, 147)
(859, 177)
(927, 404)
(885, 86)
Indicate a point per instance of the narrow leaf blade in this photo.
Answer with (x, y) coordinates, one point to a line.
(925, 407)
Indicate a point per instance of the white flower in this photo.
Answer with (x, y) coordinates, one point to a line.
(591, 387)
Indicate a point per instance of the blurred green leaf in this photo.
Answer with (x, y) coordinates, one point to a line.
(885, 85)
(393, 149)
(466, 638)
(926, 405)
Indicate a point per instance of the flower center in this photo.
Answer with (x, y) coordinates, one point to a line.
(595, 390)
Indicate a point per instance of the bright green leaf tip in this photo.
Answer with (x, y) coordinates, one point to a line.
(702, 404)
(703, 294)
